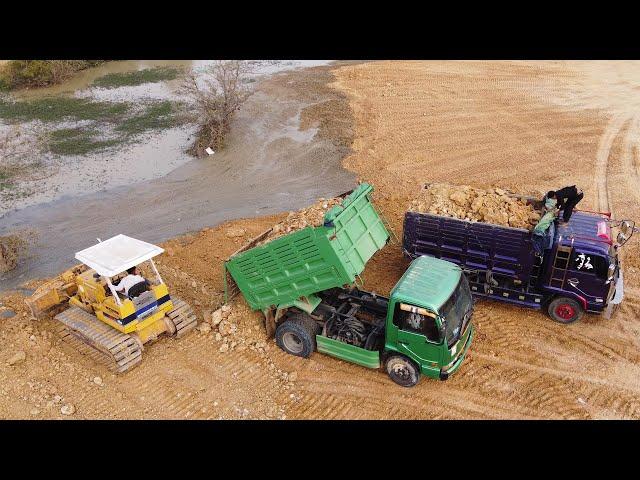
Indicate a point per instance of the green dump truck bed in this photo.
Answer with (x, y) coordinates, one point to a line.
(295, 266)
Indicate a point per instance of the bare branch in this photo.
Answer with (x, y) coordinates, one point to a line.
(216, 96)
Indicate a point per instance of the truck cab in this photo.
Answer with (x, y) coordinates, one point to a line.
(429, 315)
(583, 265)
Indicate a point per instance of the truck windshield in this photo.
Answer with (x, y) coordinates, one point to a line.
(456, 311)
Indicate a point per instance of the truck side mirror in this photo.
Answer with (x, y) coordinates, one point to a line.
(611, 272)
(621, 238)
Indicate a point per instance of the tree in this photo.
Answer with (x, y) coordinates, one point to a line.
(217, 95)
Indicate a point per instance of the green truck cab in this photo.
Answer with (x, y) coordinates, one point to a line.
(304, 284)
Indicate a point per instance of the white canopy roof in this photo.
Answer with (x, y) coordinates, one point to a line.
(117, 254)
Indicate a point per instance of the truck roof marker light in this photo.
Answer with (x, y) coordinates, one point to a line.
(604, 231)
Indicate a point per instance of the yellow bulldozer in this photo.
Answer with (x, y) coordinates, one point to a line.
(102, 321)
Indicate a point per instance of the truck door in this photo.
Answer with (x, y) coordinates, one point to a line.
(587, 276)
(418, 337)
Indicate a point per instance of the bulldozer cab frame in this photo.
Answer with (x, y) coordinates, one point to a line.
(116, 255)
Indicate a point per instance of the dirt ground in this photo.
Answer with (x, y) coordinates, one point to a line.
(517, 125)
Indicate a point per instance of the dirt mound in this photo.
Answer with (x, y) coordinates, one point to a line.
(12, 249)
(312, 216)
(475, 205)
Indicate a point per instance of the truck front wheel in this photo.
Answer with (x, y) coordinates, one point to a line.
(565, 310)
(297, 336)
(402, 370)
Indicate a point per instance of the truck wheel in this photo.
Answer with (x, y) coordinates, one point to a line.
(402, 370)
(565, 310)
(297, 336)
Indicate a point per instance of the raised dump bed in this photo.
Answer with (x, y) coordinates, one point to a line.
(290, 269)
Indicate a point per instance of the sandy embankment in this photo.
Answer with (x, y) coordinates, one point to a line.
(518, 125)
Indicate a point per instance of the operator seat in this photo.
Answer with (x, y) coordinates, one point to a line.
(138, 289)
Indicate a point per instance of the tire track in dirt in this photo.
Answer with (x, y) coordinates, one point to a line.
(607, 139)
(631, 149)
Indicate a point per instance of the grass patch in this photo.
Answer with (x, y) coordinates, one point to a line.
(81, 145)
(78, 141)
(6, 177)
(156, 116)
(5, 183)
(149, 75)
(53, 109)
(84, 140)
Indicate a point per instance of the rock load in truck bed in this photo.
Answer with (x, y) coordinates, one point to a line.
(312, 216)
(475, 204)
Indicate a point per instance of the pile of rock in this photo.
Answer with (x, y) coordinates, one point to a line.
(312, 216)
(475, 205)
(228, 329)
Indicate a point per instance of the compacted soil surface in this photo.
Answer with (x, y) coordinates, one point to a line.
(521, 126)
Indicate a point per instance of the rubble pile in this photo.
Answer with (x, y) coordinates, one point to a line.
(234, 327)
(475, 205)
(312, 216)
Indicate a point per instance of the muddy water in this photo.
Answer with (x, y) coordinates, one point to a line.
(82, 81)
(154, 155)
(270, 166)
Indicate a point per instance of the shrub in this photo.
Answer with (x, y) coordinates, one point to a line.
(40, 73)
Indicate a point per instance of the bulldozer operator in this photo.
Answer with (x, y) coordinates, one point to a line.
(133, 284)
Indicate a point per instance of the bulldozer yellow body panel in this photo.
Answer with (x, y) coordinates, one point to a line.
(152, 330)
(110, 312)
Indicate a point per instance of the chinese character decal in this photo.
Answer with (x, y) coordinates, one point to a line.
(584, 262)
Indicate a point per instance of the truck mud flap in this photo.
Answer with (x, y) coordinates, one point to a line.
(348, 353)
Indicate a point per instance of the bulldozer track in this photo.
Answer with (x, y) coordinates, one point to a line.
(182, 317)
(118, 350)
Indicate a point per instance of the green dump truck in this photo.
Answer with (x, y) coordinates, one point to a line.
(305, 283)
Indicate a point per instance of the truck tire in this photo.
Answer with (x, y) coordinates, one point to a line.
(402, 370)
(565, 310)
(297, 335)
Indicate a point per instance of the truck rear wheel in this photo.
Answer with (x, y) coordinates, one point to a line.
(565, 310)
(297, 335)
(402, 370)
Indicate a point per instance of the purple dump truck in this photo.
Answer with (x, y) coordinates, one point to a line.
(573, 269)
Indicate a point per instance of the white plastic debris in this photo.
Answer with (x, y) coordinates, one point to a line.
(209, 151)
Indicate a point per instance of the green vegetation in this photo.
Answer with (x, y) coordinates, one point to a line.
(40, 73)
(149, 75)
(157, 116)
(78, 141)
(53, 109)
(83, 140)
(5, 182)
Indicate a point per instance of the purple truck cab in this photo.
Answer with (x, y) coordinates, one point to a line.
(575, 269)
